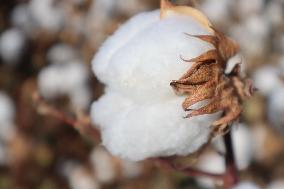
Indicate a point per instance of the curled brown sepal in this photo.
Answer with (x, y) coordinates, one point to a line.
(206, 80)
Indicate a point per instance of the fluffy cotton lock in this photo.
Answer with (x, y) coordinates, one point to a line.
(140, 116)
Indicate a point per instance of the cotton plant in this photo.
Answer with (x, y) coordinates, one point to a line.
(166, 90)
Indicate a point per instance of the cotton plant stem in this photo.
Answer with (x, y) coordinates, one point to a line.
(230, 177)
(82, 125)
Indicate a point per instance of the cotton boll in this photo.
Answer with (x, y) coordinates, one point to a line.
(246, 185)
(131, 169)
(62, 53)
(79, 177)
(252, 35)
(140, 116)
(274, 12)
(21, 17)
(276, 108)
(7, 114)
(103, 165)
(248, 8)
(277, 184)
(46, 14)
(213, 163)
(218, 11)
(66, 79)
(266, 79)
(12, 43)
(3, 154)
(242, 143)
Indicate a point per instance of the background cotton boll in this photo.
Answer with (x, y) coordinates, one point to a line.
(103, 165)
(245, 8)
(213, 163)
(218, 11)
(276, 108)
(66, 79)
(274, 13)
(3, 154)
(243, 145)
(47, 14)
(12, 43)
(252, 35)
(277, 184)
(79, 177)
(266, 79)
(21, 17)
(246, 185)
(81, 97)
(7, 113)
(62, 53)
(144, 58)
(130, 169)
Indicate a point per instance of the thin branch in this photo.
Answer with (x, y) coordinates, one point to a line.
(82, 123)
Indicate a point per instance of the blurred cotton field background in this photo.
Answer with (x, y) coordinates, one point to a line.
(47, 46)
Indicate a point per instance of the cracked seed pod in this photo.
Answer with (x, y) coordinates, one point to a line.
(140, 115)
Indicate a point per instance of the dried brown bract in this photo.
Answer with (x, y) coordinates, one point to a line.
(206, 80)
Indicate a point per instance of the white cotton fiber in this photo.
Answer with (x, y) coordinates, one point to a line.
(12, 43)
(140, 116)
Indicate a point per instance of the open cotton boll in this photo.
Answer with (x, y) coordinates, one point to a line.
(242, 143)
(7, 114)
(21, 18)
(266, 79)
(256, 29)
(46, 14)
(248, 8)
(131, 169)
(79, 177)
(276, 108)
(12, 44)
(213, 163)
(277, 184)
(217, 10)
(246, 185)
(62, 53)
(3, 154)
(66, 79)
(140, 116)
(103, 165)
